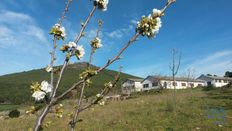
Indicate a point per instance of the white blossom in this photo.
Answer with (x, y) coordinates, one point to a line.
(98, 45)
(110, 85)
(39, 95)
(62, 29)
(156, 12)
(80, 51)
(46, 87)
(98, 95)
(102, 103)
(49, 68)
(56, 25)
(158, 25)
(102, 4)
(72, 44)
(149, 26)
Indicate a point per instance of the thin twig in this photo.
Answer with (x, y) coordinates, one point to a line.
(117, 57)
(55, 45)
(103, 93)
(52, 62)
(73, 124)
(64, 12)
(53, 99)
(59, 79)
(84, 25)
(92, 49)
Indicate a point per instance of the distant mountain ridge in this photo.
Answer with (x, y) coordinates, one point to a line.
(15, 88)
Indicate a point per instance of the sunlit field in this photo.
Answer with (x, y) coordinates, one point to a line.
(196, 109)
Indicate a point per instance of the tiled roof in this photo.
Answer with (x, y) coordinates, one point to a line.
(176, 78)
(217, 77)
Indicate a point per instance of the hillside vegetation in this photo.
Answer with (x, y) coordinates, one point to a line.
(196, 110)
(15, 88)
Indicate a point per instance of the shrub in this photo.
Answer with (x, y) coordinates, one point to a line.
(14, 113)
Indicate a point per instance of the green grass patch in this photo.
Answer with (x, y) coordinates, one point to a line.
(4, 107)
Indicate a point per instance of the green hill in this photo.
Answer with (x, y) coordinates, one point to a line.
(15, 88)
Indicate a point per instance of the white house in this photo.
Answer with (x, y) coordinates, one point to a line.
(131, 85)
(215, 81)
(155, 82)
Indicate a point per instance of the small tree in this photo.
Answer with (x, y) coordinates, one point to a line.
(174, 67)
(190, 77)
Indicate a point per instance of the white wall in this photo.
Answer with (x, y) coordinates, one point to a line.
(216, 83)
(137, 86)
(149, 85)
(179, 84)
(170, 85)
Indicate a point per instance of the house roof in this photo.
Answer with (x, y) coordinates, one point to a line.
(217, 77)
(176, 78)
(135, 80)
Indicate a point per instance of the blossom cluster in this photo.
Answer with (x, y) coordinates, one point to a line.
(108, 85)
(58, 31)
(49, 68)
(149, 26)
(101, 4)
(32, 110)
(73, 49)
(88, 73)
(59, 110)
(96, 43)
(40, 90)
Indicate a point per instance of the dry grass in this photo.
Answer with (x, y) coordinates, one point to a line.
(145, 112)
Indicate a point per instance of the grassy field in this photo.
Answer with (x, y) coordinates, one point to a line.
(197, 109)
(4, 107)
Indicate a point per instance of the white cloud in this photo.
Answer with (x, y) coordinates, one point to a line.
(21, 32)
(23, 43)
(119, 33)
(216, 63)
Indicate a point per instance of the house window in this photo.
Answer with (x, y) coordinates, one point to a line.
(183, 84)
(225, 81)
(154, 84)
(174, 83)
(145, 85)
(199, 85)
(219, 81)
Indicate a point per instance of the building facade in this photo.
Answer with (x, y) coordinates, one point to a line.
(131, 85)
(215, 81)
(155, 82)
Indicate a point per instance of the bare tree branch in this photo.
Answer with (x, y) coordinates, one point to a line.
(53, 99)
(73, 124)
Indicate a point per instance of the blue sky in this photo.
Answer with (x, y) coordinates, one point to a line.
(199, 29)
